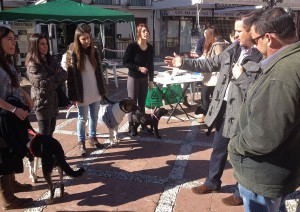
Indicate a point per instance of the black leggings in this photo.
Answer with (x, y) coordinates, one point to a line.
(47, 127)
(137, 89)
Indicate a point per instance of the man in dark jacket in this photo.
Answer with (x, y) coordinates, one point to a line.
(227, 99)
(265, 151)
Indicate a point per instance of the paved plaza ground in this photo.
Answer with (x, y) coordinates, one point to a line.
(144, 174)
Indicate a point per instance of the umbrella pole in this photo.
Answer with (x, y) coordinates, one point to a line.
(50, 38)
(1, 5)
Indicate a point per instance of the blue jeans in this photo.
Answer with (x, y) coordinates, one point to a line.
(83, 111)
(254, 202)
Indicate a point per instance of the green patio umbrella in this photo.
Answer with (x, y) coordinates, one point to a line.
(64, 11)
(67, 11)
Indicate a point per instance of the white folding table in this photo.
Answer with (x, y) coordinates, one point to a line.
(171, 80)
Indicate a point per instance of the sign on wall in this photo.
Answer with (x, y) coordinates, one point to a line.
(203, 13)
(23, 31)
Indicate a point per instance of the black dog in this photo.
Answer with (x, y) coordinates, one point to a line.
(52, 155)
(46, 148)
(141, 118)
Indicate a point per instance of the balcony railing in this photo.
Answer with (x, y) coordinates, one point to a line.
(107, 2)
(117, 51)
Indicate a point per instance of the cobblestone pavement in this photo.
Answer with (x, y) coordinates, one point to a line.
(143, 174)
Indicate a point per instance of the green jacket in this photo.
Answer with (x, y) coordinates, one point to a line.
(265, 151)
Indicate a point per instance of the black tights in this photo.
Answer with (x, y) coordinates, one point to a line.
(137, 89)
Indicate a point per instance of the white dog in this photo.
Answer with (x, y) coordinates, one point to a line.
(112, 114)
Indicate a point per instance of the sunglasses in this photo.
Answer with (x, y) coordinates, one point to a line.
(255, 40)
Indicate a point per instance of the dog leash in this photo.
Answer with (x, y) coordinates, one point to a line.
(151, 109)
(109, 101)
(34, 134)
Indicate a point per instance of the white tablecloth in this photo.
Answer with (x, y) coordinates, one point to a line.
(187, 78)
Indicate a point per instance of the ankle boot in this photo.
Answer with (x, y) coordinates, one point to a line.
(95, 143)
(8, 199)
(82, 149)
(19, 203)
(18, 187)
(6, 191)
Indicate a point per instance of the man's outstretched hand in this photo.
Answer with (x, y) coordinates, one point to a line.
(175, 61)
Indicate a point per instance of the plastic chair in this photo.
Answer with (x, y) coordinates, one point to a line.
(113, 66)
(105, 71)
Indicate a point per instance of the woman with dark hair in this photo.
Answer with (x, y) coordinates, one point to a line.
(214, 45)
(138, 58)
(45, 76)
(13, 133)
(85, 83)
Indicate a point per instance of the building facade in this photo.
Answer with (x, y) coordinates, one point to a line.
(175, 25)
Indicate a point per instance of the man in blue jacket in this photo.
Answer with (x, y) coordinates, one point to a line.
(265, 150)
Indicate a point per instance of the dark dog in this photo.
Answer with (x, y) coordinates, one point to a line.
(200, 110)
(46, 148)
(141, 118)
(52, 155)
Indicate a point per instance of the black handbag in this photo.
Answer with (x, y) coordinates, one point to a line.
(63, 100)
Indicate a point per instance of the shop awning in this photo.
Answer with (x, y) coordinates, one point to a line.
(65, 11)
(285, 3)
(210, 4)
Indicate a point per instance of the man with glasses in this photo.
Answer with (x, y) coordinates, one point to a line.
(265, 151)
(255, 40)
(227, 99)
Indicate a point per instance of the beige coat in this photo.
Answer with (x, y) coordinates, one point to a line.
(210, 79)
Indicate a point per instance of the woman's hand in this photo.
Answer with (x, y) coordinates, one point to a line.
(74, 103)
(175, 61)
(144, 70)
(21, 114)
(237, 70)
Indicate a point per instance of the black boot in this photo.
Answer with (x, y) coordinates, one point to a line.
(18, 187)
(8, 199)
